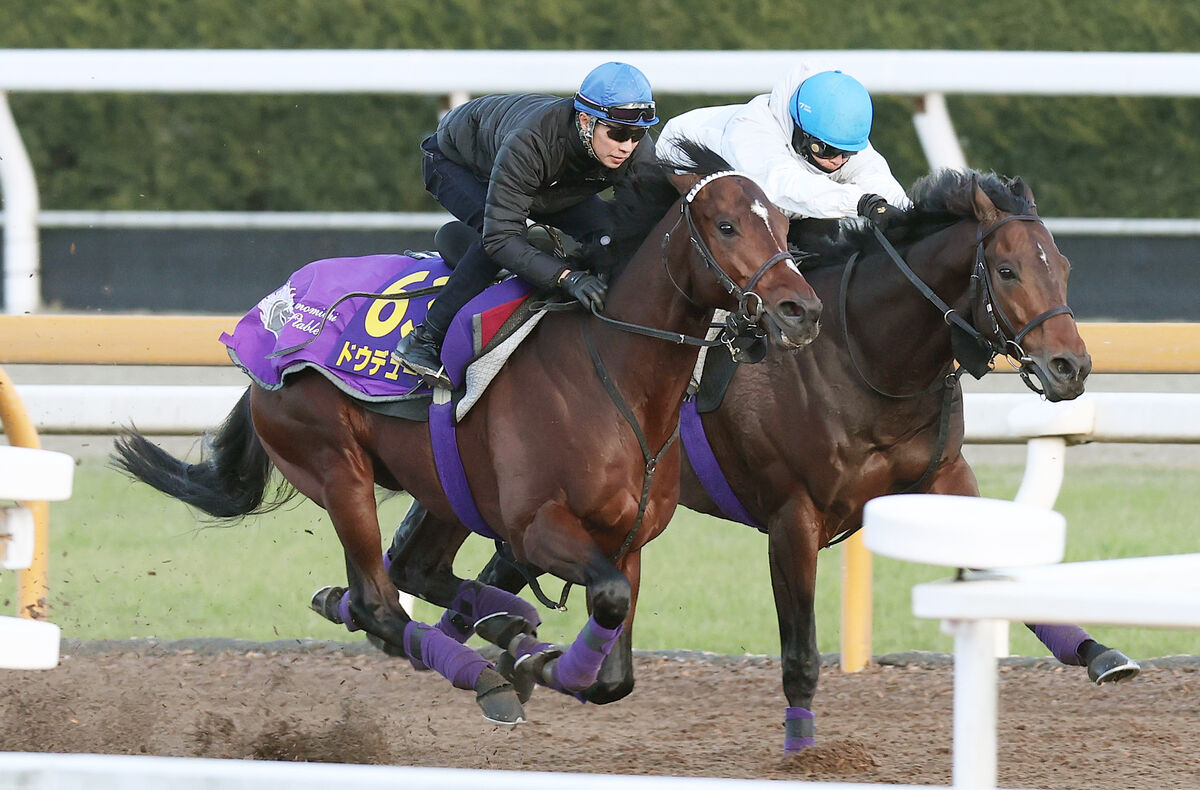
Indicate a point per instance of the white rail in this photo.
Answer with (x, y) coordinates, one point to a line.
(991, 418)
(958, 532)
(28, 474)
(458, 73)
(112, 772)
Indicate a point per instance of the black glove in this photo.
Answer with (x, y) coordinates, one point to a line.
(585, 287)
(878, 210)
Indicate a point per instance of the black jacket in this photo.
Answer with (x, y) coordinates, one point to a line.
(527, 148)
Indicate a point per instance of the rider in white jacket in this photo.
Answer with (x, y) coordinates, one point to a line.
(805, 143)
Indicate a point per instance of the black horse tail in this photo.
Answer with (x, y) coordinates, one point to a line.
(231, 482)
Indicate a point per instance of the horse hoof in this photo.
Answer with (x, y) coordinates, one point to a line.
(501, 628)
(519, 676)
(325, 603)
(498, 699)
(1112, 666)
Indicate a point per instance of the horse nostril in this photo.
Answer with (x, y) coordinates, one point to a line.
(800, 311)
(791, 309)
(1064, 368)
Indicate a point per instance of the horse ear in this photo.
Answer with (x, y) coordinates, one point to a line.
(985, 210)
(1020, 188)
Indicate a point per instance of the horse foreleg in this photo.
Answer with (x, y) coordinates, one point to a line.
(793, 544)
(558, 541)
(1070, 644)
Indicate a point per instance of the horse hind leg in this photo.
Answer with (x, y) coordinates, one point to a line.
(1073, 646)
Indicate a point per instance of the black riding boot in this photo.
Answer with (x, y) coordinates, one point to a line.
(421, 352)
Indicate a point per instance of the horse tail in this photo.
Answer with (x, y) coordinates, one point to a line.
(230, 483)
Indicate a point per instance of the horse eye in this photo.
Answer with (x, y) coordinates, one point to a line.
(726, 228)
(1006, 273)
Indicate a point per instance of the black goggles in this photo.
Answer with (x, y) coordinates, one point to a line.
(808, 145)
(633, 112)
(619, 134)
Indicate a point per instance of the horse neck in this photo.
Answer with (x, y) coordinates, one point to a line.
(901, 338)
(648, 370)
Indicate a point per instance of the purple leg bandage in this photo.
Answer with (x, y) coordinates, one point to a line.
(343, 609)
(577, 668)
(1063, 641)
(452, 629)
(459, 664)
(477, 601)
(799, 731)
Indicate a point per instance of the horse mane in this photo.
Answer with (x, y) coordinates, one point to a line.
(641, 204)
(940, 199)
(947, 196)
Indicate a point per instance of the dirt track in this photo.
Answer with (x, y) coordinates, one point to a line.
(690, 715)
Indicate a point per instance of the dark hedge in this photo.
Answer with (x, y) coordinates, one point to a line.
(1084, 156)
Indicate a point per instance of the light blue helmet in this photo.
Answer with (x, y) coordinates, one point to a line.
(617, 93)
(834, 108)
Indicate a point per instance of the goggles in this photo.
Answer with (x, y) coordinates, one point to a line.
(808, 145)
(632, 112)
(619, 134)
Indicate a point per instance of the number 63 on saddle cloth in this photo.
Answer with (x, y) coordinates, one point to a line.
(310, 323)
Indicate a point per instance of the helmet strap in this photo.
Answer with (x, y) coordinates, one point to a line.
(586, 132)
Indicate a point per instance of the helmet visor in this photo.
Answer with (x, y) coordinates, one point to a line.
(631, 112)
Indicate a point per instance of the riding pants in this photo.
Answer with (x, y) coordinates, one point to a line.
(464, 195)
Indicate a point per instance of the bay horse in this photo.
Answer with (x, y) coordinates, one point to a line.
(873, 407)
(569, 454)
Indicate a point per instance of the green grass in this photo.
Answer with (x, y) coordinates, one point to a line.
(129, 562)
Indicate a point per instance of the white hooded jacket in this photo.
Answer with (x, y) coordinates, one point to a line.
(756, 139)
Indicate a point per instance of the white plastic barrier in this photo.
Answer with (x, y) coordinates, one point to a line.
(991, 418)
(111, 772)
(28, 475)
(964, 532)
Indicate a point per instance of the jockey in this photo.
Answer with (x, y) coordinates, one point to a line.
(500, 160)
(805, 143)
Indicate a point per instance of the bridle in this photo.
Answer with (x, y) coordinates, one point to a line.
(1007, 338)
(1001, 338)
(743, 321)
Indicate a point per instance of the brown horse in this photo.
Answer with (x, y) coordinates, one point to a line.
(569, 454)
(871, 407)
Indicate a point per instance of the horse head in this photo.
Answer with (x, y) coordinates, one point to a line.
(736, 232)
(1021, 299)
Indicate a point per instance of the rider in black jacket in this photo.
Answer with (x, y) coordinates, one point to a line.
(499, 160)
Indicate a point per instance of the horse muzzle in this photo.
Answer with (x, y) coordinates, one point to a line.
(792, 324)
(1061, 377)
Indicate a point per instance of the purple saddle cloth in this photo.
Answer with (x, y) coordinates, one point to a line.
(309, 322)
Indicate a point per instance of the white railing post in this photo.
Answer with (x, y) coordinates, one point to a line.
(935, 131)
(22, 275)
